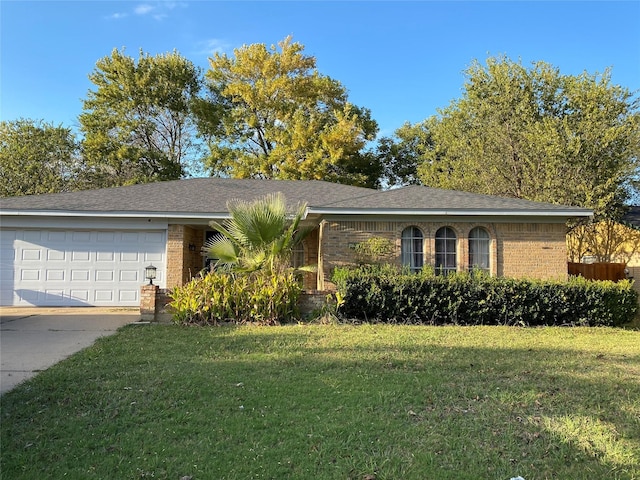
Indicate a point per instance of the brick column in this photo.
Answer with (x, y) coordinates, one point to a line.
(148, 294)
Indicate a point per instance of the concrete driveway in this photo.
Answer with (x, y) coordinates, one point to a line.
(33, 339)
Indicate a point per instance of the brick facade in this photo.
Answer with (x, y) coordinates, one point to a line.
(184, 254)
(531, 250)
(148, 297)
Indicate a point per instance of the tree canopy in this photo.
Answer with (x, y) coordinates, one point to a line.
(138, 124)
(36, 157)
(271, 114)
(534, 134)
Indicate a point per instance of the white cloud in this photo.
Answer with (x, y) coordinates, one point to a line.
(143, 9)
(117, 16)
(211, 46)
(156, 10)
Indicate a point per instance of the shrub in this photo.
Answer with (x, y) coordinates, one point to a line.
(387, 294)
(373, 250)
(260, 297)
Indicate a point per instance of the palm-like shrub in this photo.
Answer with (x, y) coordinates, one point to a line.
(252, 280)
(259, 235)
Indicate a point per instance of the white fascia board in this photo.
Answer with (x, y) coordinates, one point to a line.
(454, 212)
(91, 223)
(109, 214)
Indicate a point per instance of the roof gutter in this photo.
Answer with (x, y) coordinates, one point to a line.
(86, 213)
(574, 212)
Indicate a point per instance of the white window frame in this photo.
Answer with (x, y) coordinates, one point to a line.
(446, 251)
(412, 248)
(479, 249)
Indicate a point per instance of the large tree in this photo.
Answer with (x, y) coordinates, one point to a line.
(533, 133)
(270, 114)
(138, 125)
(37, 157)
(401, 155)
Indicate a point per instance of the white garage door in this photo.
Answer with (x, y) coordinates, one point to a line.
(77, 267)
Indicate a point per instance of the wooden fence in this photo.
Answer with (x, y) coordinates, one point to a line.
(599, 271)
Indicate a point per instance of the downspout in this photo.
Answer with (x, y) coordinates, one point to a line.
(320, 273)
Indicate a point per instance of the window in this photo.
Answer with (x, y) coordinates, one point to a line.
(297, 256)
(412, 248)
(446, 258)
(479, 241)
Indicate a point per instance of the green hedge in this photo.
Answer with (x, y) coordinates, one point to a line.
(385, 294)
(258, 297)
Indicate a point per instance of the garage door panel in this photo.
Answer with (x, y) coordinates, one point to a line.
(8, 297)
(30, 275)
(104, 296)
(79, 275)
(80, 256)
(80, 295)
(55, 275)
(56, 236)
(128, 276)
(127, 296)
(104, 276)
(7, 238)
(105, 237)
(74, 267)
(129, 257)
(33, 236)
(55, 255)
(130, 237)
(30, 254)
(105, 256)
(51, 296)
(154, 237)
(153, 257)
(7, 275)
(79, 237)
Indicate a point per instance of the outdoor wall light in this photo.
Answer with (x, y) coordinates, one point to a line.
(192, 247)
(150, 273)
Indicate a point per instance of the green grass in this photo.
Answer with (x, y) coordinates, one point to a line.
(333, 402)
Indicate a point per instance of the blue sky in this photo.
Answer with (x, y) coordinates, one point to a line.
(402, 60)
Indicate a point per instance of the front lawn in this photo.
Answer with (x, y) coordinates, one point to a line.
(333, 402)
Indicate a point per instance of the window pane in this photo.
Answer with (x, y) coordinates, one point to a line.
(446, 257)
(479, 241)
(297, 256)
(412, 243)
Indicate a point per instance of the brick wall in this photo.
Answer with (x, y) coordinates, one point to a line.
(175, 255)
(312, 301)
(148, 295)
(516, 249)
(532, 250)
(310, 243)
(192, 248)
(184, 257)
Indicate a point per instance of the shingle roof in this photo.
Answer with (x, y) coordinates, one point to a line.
(210, 195)
(195, 195)
(422, 198)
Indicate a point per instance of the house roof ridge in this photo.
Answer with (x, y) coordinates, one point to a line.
(201, 196)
